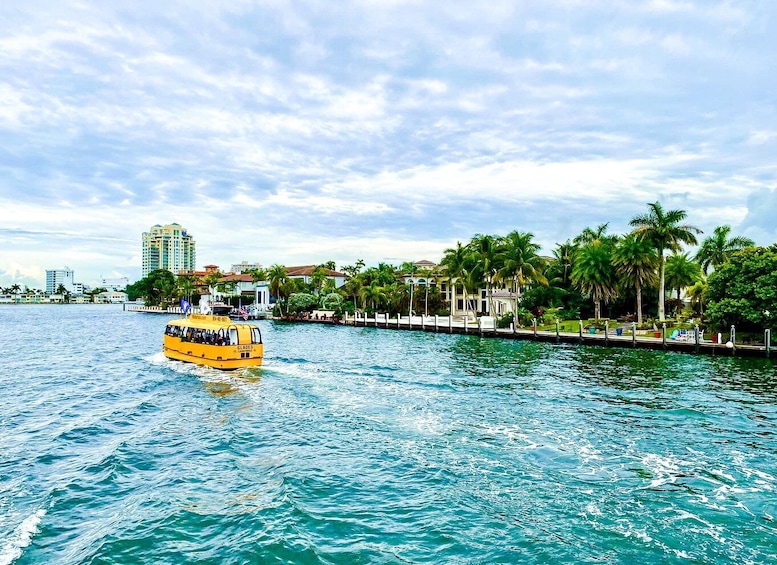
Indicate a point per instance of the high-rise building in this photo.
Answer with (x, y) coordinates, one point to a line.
(56, 277)
(168, 247)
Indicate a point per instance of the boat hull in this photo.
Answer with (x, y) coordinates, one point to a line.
(213, 341)
(226, 358)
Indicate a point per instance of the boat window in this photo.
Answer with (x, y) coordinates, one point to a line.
(256, 336)
(233, 336)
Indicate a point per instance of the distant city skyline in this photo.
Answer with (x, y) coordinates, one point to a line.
(302, 132)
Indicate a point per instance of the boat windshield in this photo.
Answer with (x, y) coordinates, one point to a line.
(256, 335)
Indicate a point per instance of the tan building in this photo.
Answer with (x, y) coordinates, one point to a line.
(168, 247)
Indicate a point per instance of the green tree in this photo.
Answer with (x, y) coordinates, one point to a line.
(300, 302)
(520, 263)
(743, 290)
(715, 249)
(635, 263)
(594, 273)
(485, 248)
(331, 301)
(318, 278)
(158, 287)
(453, 263)
(186, 284)
(278, 277)
(258, 274)
(696, 293)
(372, 295)
(681, 272)
(664, 230)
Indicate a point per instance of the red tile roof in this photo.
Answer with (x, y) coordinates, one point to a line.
(307, 270)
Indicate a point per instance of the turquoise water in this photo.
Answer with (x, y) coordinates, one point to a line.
(355, 445)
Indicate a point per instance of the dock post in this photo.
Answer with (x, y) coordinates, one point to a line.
(514, 325)
(558, 338)
(663, 334)
(768, 341)
(466, 319)
(495, 332)
(732, 339)
(436, 323)
(607, 333)
(423, 325)
(581, 330)
(534, 327)
(376, 319)
(450, 323)
(633, 334)
(696, 331)
(480, 325)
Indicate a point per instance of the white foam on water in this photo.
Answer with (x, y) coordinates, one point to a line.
(21, 538)
(664, 469)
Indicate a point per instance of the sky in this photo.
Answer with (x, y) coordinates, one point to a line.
(298, 132)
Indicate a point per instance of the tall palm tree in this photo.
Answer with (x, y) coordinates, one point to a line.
(635, 263)
(453, 263)
(715, 249)
(472, 282)
(519, 262)
(594, 273)
(562, 256)
(277, 275)
(662, 228)
(486, 248)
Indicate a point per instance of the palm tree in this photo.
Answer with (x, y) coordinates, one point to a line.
(665, 232)
(520, 262)
(373, 293)
(594, 273)
(635, 263)
(186, 285)
(696, 293)
(472, 281)
(681, 272)
(562, 256)
(318, 279)
(715, 249)
(486, 249)
(277, 277)
(453, 264)
(589, 235)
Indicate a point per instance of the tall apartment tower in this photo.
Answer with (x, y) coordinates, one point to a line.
(56, 277)
(168, 247)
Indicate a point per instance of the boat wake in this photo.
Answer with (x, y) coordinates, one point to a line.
(21, 538)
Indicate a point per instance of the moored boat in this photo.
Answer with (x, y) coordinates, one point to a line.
(213, 340)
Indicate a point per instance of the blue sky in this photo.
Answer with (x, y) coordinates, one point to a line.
(299, 132)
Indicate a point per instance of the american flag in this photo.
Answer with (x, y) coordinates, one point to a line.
(243, 312)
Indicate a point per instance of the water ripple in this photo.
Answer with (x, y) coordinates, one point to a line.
(369, 446)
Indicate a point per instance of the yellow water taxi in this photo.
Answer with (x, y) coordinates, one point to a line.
(214, 341)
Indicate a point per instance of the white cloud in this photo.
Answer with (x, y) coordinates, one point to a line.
(381, 130)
